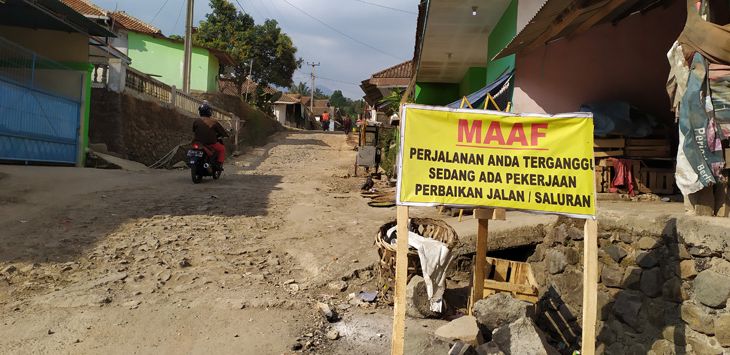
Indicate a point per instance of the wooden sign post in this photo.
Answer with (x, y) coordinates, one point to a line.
(401, 277)
(590, 287)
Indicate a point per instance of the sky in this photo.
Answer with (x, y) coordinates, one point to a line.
(344, 62)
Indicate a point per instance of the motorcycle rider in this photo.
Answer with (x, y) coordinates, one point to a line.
(208, 130)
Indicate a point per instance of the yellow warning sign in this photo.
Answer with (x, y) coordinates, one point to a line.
(493, 159)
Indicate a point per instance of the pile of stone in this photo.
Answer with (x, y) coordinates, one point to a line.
(661, 291)
(500, 325)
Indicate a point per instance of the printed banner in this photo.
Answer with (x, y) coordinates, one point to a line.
(492, 159)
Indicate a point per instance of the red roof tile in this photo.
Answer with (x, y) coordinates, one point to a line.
(132, 23)
(402, 70)
(85, 8)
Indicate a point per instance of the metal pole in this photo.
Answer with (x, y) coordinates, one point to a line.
(188, 48)
(248, 80)
(311, 103)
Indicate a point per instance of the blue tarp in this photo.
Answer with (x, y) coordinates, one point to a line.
(477, 98)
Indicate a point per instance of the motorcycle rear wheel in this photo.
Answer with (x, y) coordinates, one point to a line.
(197, 178)
(216, 174)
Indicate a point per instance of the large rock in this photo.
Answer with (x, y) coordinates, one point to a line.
(612, 276)
(722, 329)
(712, 289)
(687, 269)
(702, 344)
(627, 307)
(632, 278)
(522, 337)
(673, 291)
(556, 261)
(651, 282)
(647, 243)
(501, 309)
(647, 259)
(417, 303)
(663, 347)
(464, 328)
(489, 348)
(697, 319)
(616, 252)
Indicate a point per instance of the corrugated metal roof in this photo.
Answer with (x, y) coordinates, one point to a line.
(561, 18)
(132, 23)
(86, 8)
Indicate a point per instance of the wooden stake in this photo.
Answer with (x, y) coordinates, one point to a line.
(397, 344)
(590, 287)
(480, 261)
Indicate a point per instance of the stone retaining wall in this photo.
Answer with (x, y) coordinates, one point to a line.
(664, 285)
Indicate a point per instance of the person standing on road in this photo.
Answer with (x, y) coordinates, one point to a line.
(207, 131)
(325, 121)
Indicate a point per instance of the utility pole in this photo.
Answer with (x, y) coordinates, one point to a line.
(248, 79)
(311, 103)
(188, 48)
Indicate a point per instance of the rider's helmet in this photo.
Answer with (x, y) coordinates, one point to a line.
(205, 110)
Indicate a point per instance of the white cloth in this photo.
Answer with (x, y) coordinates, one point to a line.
(435, 258)
(686, 178)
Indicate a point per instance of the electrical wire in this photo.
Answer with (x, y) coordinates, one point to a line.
(335, 80)
(256, 9)
(158, 11)
(242, 9)
(342, 33)
(387, 7)
(182, 6)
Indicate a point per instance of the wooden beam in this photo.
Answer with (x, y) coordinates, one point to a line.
(590, 286)
(562, 22)
(397, 345)
(480, 260)
(609, 143)
(602, 14)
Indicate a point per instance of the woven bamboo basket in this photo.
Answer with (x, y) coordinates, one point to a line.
(426, 227)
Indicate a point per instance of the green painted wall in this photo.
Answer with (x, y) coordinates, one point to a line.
(213, 67)
(474, 79)
(436, 93)
(163, 57)
(86, 105)
(501, 35)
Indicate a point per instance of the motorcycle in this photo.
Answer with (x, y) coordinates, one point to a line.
(202, 161)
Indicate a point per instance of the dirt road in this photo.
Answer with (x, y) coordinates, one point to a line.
(99, 261)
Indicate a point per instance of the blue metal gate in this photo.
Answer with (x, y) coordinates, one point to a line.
(40, 107)
(36, 126)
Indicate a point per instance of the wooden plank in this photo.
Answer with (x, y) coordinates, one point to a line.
(609, 143)
(499, 214)
(500, 272)
(590, 287)
(722, 200)
(480, 261)
(703, 202)
(505, 286)
(633, 142)
(610, 153)
(397, 344)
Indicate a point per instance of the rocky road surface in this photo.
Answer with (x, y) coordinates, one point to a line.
(117, 262)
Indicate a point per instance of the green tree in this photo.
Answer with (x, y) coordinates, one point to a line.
(339, 100)
(301, 89)
(392, 101)
(272, 51)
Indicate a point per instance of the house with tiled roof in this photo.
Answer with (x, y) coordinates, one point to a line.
(154, 54)
(381, 84)
(44, 81)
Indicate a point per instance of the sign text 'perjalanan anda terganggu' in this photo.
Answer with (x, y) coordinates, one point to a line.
(493, 159)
